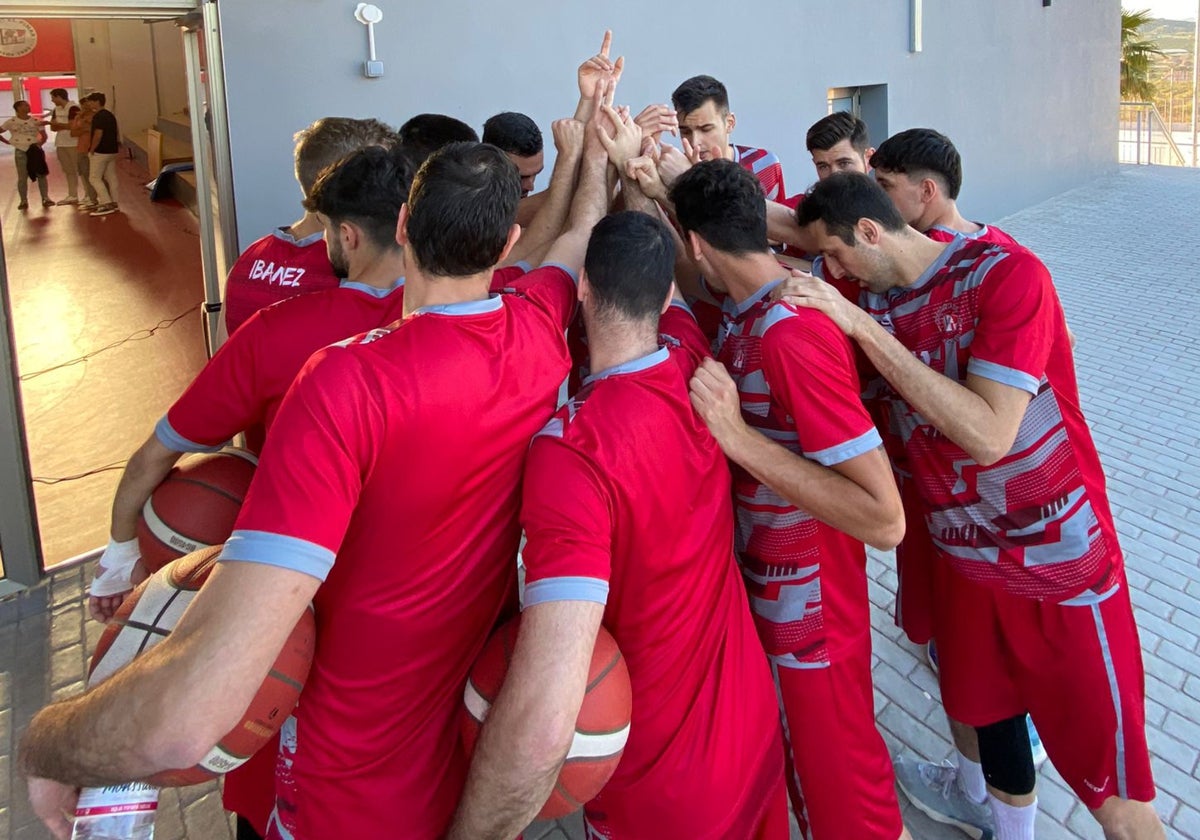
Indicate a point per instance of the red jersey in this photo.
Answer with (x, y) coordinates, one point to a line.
(240, 388)
(796, 378)
(764, 166)
(274, 268)
(627, 505)
(399, 455)
(1036, 523)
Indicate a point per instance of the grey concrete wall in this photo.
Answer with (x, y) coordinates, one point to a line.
(1029, 94)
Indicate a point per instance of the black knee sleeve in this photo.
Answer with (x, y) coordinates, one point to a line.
(1006, 757)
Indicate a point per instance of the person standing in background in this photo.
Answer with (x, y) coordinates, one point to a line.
(65, 144)
(81, 130)
(25, 133)
(105, 139)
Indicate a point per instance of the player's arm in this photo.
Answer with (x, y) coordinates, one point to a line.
(529, 728)
(589, 203)
(168, 707)
(552, 214)
(529, 207)
(782, 226)
(856, 495)
(982, 416)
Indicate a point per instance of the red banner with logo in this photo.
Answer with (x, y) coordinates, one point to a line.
(34, 45)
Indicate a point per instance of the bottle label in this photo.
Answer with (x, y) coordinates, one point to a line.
(131, 798)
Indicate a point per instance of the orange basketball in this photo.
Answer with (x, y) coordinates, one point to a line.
(149, 615)
(195, 506)
(601, 729)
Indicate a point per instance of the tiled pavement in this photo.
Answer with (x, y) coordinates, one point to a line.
(1123, 252)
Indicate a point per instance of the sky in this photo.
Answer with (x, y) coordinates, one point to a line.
(1171, 9)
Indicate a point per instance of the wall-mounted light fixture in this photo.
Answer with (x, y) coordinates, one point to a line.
(370, 15)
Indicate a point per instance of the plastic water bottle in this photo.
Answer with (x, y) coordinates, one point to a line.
(116, 812)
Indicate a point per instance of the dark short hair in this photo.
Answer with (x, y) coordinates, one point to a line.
(58, 92)
(694, 92)
(367, 189)
(98, 97)
(462, 206)
(20, 102)
(514, 133)
(424, 134)
(842, 199)
(630, 265)
(922, 152)
(330, 139)
(724, 204)
(828, 131)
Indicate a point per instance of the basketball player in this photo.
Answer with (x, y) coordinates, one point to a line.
(629, 523)
(292, 260)
(1031, 608)
(839, 142)
(518, 137)
(811, 485)
(705, 122)
(391, 477)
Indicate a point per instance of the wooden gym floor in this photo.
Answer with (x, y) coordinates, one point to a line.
(78, 285)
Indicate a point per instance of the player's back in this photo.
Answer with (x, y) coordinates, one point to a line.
(276, 267)
(439, 412)
(986, 233)
(704, 729)
(242, 386)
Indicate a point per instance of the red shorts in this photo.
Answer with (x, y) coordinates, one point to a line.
(249, 791)
(915, 560)
(1077, 671)
(839, 772)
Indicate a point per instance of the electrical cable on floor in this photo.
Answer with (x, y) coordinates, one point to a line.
(139, 335)
(115, 465)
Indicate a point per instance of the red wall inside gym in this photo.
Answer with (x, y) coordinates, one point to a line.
(54, 53)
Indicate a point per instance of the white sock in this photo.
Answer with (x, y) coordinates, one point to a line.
(1013, 822)
(970, 776)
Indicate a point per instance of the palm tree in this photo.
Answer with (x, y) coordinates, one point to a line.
(1136, 54)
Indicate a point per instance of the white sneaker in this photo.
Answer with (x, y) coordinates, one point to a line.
(67, 201)
(936, 792)
(104, 210)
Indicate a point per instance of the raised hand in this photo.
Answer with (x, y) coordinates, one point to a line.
(802, 289)
(568, 137)
(625, 141)
(644, 170)
(598, 69)
(655, 119)
(672, 163)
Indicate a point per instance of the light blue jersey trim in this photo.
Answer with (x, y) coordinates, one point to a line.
(176, 442)
(373, 291)
(761, 294)
(1004, 375)
(278, 550)
(466, 307)
(574, 275)
(566, 589)
(860, 445)
(632, 366)
(287, 236)
(682, 304)
(523, 265)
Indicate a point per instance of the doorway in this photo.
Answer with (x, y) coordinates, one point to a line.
(106, 319)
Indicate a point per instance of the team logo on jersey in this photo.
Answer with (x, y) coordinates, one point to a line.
(947, 319)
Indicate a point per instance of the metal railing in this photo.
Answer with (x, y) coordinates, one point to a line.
(1143, 137)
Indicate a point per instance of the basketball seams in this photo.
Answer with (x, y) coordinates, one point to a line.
(603, 673)
(200, 482)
